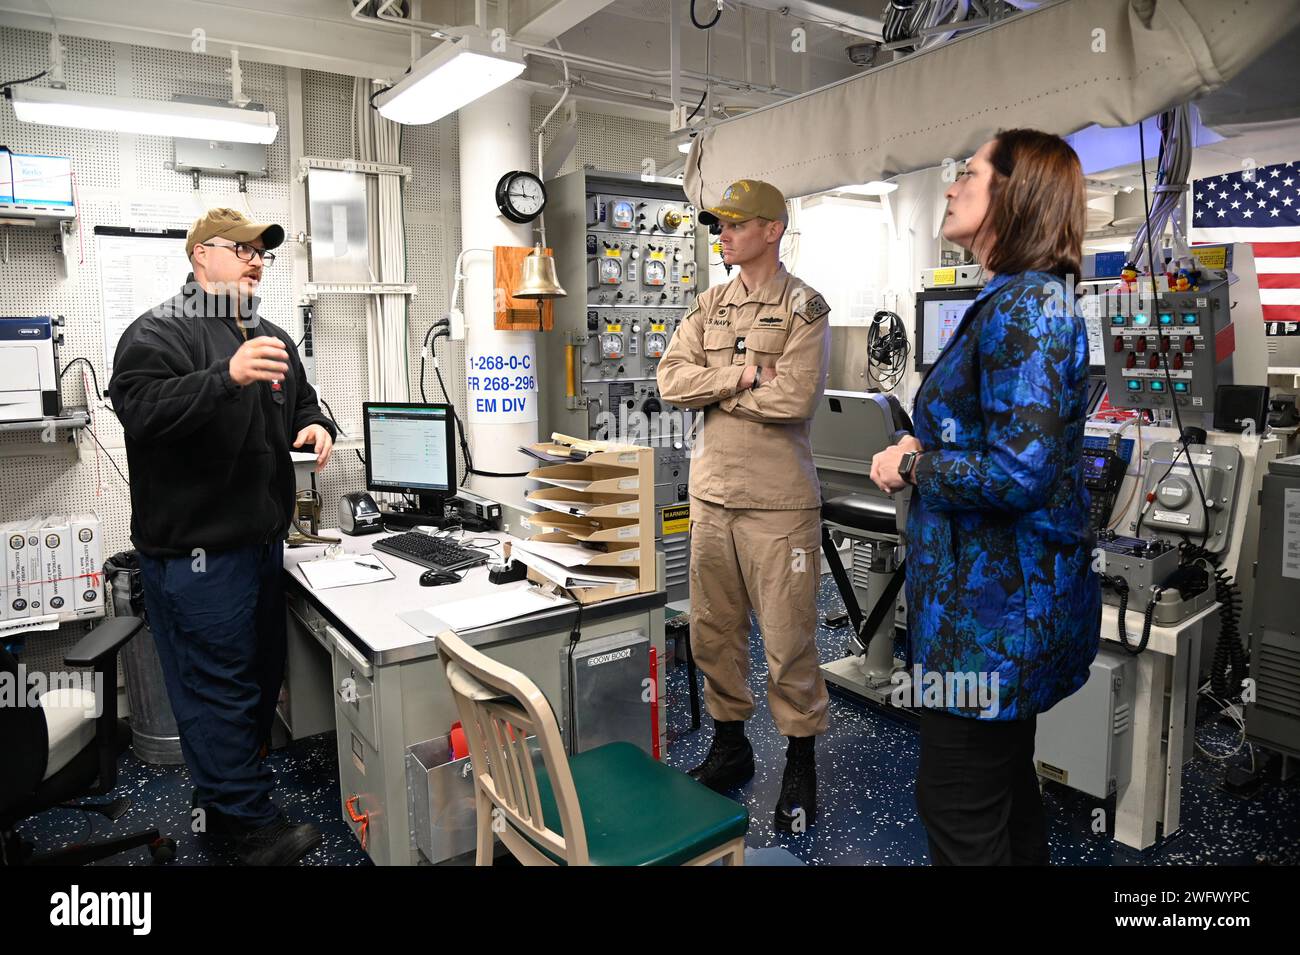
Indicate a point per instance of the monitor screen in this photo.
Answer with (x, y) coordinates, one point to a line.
(410, 447)
(42, 180)
(938, 313)
(6, 177)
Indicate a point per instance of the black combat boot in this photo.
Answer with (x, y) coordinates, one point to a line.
(730, 761)
(279, 842)
(796, 809)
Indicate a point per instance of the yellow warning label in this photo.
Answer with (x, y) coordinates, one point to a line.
(1211, 256)
(676, 519)
(658, 328)
(614, 253)
(658, 256)
(613, 328)
(944, 277)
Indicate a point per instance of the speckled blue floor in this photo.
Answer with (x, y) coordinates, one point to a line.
(866, 768)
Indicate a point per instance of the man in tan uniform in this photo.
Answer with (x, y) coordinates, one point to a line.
(755, 353)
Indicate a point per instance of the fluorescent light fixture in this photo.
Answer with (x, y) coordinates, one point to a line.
(876, 187)
(123, 114)
(454, 75)
(684, 148)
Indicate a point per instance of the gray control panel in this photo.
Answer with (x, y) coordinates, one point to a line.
(1178, 506)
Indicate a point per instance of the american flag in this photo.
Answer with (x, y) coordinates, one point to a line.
(1260, 206)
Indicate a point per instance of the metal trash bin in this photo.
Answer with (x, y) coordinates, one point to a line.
(440, 798)
(154, 736)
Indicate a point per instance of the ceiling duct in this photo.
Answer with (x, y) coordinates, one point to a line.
(1076, 62)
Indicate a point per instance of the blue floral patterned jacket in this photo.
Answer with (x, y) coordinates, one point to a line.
(999, 579)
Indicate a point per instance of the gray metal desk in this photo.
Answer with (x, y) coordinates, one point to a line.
(355, 667)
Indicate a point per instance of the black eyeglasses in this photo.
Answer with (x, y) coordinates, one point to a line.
(246, 252)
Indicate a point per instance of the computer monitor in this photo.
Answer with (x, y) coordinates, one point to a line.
(938, 313)
(411, 449)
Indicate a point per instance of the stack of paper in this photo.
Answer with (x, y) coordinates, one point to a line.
(565, 564)
(566, 506)
(546, 455)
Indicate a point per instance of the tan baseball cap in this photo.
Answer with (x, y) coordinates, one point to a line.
(233, 225)
(746, 199)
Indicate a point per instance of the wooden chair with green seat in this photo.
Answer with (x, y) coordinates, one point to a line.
(612, 805)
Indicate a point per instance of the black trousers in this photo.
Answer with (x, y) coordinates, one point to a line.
(977, 791)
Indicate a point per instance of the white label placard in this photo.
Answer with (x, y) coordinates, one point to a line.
(501, 379)
(1291, 534)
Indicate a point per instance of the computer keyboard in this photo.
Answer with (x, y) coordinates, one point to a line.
(436, 553)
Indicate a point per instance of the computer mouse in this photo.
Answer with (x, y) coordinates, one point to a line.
(436, 578)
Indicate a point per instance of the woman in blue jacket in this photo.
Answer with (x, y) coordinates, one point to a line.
(1004, 611)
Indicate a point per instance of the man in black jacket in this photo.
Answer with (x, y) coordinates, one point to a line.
(211, 398)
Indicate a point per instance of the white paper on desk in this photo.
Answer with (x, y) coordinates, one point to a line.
(565, 483)
(565, 577)
(495, 607)
(567, 555)
(565, 507)
(327, 572)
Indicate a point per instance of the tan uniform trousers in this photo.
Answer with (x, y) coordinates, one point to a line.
(770, 561)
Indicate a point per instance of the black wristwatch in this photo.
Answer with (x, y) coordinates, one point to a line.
(907, 466)
(758, 371)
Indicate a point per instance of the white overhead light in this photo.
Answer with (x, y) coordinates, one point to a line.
(876, 187)
(684, 148)
(51, 106)
(454, 75)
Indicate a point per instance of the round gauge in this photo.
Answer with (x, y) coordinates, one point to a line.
(621, 214)
(655, 272)
(656, 344)
(670, 218)
(611, 345)
(611, 271)
(520, 196)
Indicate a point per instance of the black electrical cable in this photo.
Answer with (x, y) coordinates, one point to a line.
(708, 58)
(94, 377)
(1229, 668)
(574, 636)
(109, 456)
(717, 15)
(8, 83)
(337, 426)
(887, 349)
(1160, 334)
(460, 430)
(333, 420)
(441, 327)
(1121, 587)
(698, 106)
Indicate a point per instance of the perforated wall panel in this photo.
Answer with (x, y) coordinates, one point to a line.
(110, 170)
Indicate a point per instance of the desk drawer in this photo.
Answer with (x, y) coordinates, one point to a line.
(354, 688)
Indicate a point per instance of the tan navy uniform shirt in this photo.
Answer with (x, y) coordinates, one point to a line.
(754, 449)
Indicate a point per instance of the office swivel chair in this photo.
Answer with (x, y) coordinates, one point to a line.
(54, 752)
